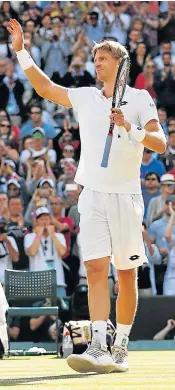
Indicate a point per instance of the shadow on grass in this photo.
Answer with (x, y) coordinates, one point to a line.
(23, 381)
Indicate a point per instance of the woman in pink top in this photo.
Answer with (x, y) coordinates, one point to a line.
(145, 80)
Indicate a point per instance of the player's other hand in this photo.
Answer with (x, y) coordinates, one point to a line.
(15, 30)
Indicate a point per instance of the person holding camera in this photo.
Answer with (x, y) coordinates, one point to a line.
(77, 76)
(46, 248)
(42, 196)
(8, 250)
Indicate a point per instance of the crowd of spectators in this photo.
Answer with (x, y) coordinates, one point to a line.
(40, 143)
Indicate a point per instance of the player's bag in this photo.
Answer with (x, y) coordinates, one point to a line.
(79, 333)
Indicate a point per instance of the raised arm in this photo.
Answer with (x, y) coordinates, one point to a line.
(39, 80)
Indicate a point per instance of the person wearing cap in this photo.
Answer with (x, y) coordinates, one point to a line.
(150, 164)
(9, 172)
(156, 207)
(38, 150)
(46, 248)
(36, 121)
(8, 250)
(13, 188)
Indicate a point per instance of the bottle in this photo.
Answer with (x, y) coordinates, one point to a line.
(67, 343)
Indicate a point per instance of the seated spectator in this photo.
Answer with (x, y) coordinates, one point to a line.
(76, 76)
(146, 273)
(9, 172)
(157, 207)
(15, 130)
(150, 190)
(38, 150)
(30, 46)
(133, 39)
(8, 11)
(145, 80)
(138, 59)
(94, 30)
(164, 85)
(42, 327)
(169, 279)
(11, 92)
(168, 157)
(42, 196)
(17, 230)
(36, 121)
(55, 51)
(7, 151)
(165, 47)
(67, 155)
(4, 210)
(150, 164)
(8, 250)
(62, 224)
(163, 119)
(167, 333)
(117, 22)
(13, 188)
(67, 139)
(45, 248)
(69, 171)
(167, 24)
(6, 134)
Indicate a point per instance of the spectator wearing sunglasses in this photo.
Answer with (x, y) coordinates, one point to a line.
(151, 189)
(36, 121)
(157, 207)
(150, 164)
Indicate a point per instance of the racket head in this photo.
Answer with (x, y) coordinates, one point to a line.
(121, 81)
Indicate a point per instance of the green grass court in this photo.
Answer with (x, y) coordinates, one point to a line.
(148, 371)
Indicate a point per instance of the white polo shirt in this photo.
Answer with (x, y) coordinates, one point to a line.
(6, 261)
(39, 261)
(93, 109)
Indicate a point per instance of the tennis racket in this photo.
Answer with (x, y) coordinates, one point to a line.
(119, 90)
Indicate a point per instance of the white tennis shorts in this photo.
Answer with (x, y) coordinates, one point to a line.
(111, 225)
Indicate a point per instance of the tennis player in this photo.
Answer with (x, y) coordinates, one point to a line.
(3, 324)
(110, 204)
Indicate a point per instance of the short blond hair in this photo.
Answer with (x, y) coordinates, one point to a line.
(114, 48)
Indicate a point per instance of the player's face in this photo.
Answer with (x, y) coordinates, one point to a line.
(106, 66)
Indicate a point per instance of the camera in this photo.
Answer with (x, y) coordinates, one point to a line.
(3, 229)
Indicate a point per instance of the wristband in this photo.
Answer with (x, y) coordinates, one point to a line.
(24, 59)
(38, 237)
(137, 133)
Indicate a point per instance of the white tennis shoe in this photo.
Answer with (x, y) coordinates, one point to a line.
(96, 358)
(120, 357)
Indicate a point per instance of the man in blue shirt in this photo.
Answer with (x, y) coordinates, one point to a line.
(151, 189)
(149, 164)
(36, 121)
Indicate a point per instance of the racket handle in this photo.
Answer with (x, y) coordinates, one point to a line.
(106, 152)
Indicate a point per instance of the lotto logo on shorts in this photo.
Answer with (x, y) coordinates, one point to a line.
(135, 257)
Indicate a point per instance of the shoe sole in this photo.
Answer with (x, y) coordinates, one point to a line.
(83, 366)
(120, 369)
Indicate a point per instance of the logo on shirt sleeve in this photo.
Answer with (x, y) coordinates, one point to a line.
(152, 105)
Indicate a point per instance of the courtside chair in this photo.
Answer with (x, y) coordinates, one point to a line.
(31, 286)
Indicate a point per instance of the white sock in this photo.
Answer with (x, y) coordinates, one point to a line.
(99, 329)
(122, 335)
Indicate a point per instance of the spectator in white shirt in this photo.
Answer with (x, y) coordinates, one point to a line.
(118, 23)
(169, 279)
(45, 248)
